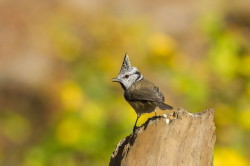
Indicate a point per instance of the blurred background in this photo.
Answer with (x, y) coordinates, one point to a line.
(58, 106)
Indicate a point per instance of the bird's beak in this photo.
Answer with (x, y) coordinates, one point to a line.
(116, 80)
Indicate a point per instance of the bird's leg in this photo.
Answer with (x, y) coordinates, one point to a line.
(138, 116)
(155, 114)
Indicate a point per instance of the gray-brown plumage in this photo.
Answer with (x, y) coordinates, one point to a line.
(141, 94)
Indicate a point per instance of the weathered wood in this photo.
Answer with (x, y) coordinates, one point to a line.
(178, 139)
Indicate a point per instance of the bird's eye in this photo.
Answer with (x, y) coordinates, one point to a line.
(126, 76)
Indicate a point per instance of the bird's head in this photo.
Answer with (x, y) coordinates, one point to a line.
(128, 74)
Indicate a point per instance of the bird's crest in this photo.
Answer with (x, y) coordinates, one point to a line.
(126, 66)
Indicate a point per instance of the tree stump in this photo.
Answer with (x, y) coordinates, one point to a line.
(177, 139)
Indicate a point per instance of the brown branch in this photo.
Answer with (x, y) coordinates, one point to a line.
(178, 139)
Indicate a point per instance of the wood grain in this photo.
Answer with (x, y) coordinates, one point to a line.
(178, 139)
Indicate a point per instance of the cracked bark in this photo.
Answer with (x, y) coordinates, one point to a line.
(178, 139)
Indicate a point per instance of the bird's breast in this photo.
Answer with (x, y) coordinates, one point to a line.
(141, 107)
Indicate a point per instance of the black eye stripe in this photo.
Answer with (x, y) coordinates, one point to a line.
(137, 72)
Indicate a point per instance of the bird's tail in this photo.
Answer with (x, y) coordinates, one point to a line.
(164, 106)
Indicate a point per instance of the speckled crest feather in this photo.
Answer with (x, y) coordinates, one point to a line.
(126, 64)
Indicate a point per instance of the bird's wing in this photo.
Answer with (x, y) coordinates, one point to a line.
(150, 93)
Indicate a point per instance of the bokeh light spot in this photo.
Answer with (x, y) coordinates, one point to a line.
(15, 127)
(161, 45)
(243, 119)
(69, 132)
(229, 157)
(71, 95)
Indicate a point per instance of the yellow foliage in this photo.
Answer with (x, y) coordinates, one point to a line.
(92, 113)
(71, 95)
(221, 111)
(248, 88)
(32, 162)
(229, 157)
(67, 45)
(145, 117)
(69, 132)
(161, 45)
(244, 117)
(245, 65)
(16, 128)
(64, 160)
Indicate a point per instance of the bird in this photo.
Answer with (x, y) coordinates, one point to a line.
(142, 95)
